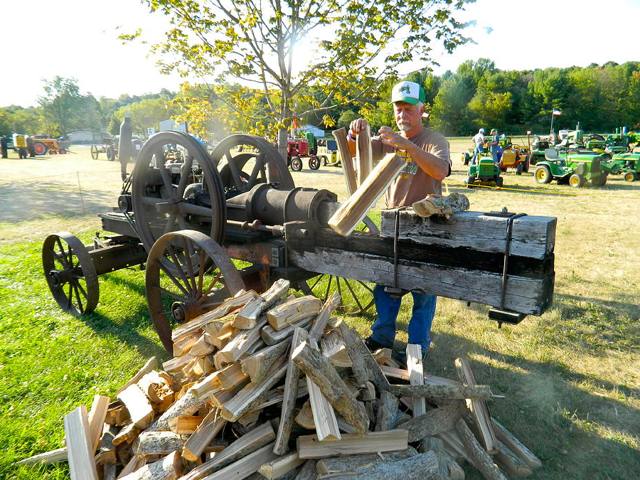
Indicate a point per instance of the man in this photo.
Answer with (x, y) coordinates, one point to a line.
(494, 146)
(478, 142)
(428, 163)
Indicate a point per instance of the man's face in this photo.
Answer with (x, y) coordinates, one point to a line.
(408, 117)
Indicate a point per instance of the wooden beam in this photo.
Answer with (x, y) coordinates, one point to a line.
(281, 445)
(353, 444)
(364, 155)
(477, 407)
(434, 421)
(350, 176)
(442, 392)
(481, 459)
(319, 370)
(532, 236)
(416, 376)
(79, 445)
(258, 365)
(351, 212)
(138, 405)
(280, 466)
(242, 447)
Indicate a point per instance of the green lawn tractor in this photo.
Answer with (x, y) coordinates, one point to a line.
(576, 168)
(484, 172)
(627, 164)
(539, 145)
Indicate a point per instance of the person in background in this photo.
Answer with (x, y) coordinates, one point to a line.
(478, 142)
(494, 146)
(427, 163)
(3, 147)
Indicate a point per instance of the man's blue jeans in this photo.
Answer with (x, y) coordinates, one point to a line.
(383, 329)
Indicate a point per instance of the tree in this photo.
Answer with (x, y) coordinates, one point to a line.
(341, 47)
(65, 108)
(450, 113)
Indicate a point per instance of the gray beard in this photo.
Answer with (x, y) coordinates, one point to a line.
(404, 127)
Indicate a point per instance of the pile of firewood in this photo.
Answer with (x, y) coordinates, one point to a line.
(270, 386)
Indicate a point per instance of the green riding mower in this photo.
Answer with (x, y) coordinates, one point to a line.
(627, 164)
(484, 172)
(576, 168)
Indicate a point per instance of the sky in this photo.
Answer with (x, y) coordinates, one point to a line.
(78, 39)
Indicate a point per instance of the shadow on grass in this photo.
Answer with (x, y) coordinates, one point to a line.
(550, 413)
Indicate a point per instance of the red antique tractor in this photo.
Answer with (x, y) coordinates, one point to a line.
(298, 148)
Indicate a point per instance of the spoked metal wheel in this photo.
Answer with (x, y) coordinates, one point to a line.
(246, 160)
(356, 297)
(176, 187)
(187, 274)
(95, 152)
(70, 273)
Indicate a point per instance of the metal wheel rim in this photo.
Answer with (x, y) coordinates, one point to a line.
(94, 152)
(146, 212)
(196, 294)
(77, 264)
(350, 302)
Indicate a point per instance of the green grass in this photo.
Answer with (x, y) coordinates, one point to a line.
(571, 378)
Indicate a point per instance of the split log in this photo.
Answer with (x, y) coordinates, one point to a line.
(387, 412)
(357, 205)
(271, 336)
(532, 236)
(258, 365)
(168, 468)
(442, 392)
(45, 458)
(157, 443)
(243, 400)
(109, 471)
(357, 349)
(136, 462)
(454, 446)
(79, 447)
(176, 364)
(157, 386)
(186, 424)
(333, 347)
(242, 447)
(188, 404)
(281, 445)
(304, 418)
(353, 444)
(106, 449)
(364, 155)
(320, 323)
(515, 445)
(127, 434)
(247, 317)
(183, 345)
(481, 459)
(448, 467)
(246, 465)
(293, 311)
(350, 176)
(201, 347)
(138, 405)
(320, 371)
(239, 345)
(416, 376)
(508, 461)
(151, 364)
(231, 377)
(222, 336)
(442, 206)
(477, 407)
(206, 431)
(350, 463)
(308, 471)
(117, 414)
(423, 466)
(324, 417)
(280, 466)
(434, 421)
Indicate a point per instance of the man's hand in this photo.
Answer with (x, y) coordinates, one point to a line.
(357, 126)
(389, 137)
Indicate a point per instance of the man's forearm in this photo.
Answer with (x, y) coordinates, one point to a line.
(434, 166)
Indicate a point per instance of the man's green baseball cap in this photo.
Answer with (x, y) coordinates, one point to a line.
(408, 92)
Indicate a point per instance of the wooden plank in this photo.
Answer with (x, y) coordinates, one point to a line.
(531, 296)
(360, 202)
(364, 155)
(353, 444)
(477, 407)
(416, 376)
(245, 466)
(281, 445)
(515, 445)
(434, 421)
(243, 446)
(206, 431)
(481, 459)
(79, 445)
(151, 364)
(167, 468)
(138, 405)
(258, 365)
(320, 371)
(271, 336)
(280, 466)
(243, 400)
(532, 236)
(350, 176)
(442, 392)
(293, 311)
